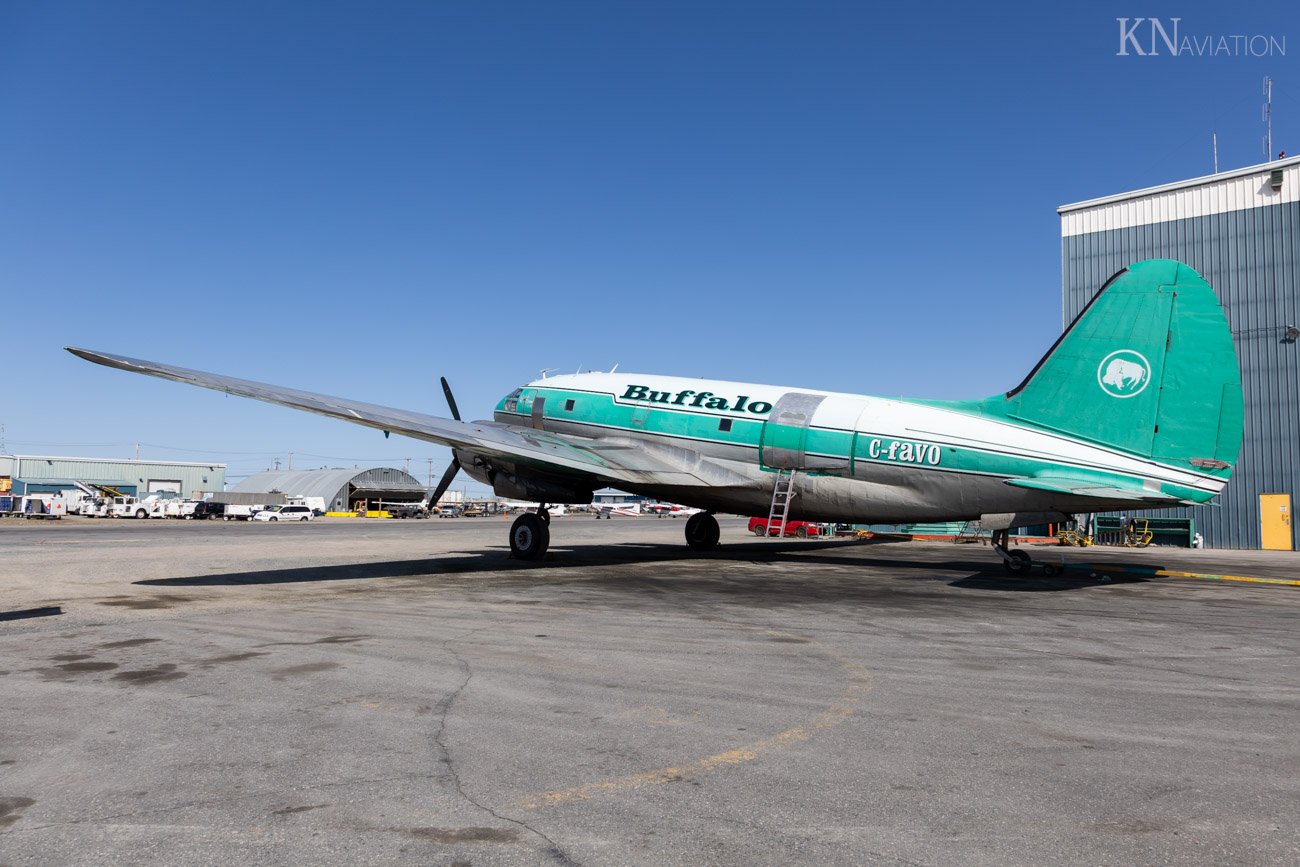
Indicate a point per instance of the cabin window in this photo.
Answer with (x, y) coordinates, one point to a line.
(724, 425)
(568, 406)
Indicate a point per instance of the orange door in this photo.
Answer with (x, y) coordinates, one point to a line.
(1275, 521)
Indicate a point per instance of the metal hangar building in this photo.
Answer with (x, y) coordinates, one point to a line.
(36, 474)
(341, 489)
(1241, 230)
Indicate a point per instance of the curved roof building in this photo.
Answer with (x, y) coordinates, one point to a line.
(340, 489)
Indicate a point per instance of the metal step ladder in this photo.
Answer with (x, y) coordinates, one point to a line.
(782, 495)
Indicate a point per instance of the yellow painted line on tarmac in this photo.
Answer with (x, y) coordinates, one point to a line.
(1174, 573)
(859, 684)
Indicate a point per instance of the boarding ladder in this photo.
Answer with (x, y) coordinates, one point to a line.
(782, 496)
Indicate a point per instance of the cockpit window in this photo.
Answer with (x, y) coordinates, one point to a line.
(511, 403)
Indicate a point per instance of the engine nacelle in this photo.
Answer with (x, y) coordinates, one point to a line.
(538, 490)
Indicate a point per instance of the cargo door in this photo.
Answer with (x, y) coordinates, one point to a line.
(784, 441)
(1275, 522)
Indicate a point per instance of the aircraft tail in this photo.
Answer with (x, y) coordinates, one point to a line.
(1148, 367)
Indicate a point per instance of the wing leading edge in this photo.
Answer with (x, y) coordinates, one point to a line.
(609, 461)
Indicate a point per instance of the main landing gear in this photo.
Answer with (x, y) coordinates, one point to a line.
(530, 534)
(702, 532)
(1017, 562)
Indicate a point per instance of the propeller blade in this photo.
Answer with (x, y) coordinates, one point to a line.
(451, 401)
(444, 483)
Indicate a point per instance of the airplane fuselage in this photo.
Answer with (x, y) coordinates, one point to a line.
(858, 458)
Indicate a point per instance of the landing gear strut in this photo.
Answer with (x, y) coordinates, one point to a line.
(1015, 562)
(530, 535)
(702, 532)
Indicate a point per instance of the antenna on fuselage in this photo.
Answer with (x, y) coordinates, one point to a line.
(546, 370)
(614, 368)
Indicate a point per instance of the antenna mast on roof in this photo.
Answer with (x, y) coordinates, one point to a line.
(1268, 118)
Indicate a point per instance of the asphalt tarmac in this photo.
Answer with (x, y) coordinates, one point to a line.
(352, 691)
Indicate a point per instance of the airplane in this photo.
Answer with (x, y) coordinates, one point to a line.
(670, 510)
(1137, 405)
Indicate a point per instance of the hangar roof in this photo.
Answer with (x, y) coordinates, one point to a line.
(327, 483)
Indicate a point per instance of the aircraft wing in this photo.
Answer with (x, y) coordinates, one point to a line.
(1090, 488)
(610, 461)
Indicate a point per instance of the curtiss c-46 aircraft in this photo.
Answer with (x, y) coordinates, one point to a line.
(1138, 405)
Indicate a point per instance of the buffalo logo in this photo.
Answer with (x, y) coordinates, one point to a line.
(1124, 373)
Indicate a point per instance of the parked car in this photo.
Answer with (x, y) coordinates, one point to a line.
(802, 529)
(284, 513)
(208, 509)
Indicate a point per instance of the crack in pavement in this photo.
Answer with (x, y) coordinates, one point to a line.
(553, 852)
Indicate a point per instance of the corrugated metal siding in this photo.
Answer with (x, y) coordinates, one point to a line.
(1252, 259)
(43, 470)
(1203, 197)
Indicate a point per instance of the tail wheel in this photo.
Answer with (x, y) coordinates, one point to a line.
(529, 537)
(702, 532)
(1019, 564)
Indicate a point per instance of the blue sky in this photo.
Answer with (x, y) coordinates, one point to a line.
(357, 198)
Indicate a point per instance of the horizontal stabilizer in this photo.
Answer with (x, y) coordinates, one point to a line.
(1089, 488)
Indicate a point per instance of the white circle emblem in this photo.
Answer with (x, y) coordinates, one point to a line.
(1124, 373)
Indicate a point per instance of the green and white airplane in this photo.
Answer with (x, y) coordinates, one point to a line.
(1137, 405)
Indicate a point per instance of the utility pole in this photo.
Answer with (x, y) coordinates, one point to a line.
(277, 465)
(290, 460)
(2, 435)
(137, 452)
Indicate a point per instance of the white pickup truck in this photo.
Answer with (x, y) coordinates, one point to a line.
(236, 512)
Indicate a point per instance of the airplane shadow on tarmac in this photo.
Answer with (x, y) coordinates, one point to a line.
(787, 556)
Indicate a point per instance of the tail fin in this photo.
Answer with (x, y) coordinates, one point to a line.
(1148, 367)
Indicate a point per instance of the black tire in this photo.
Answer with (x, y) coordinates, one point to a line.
(702, 532)
(141, 513)
(304, 518)
(1019, 564)
(1050, 570)
(529, 537)
(760, 531)
(274, 519)
(801, 532)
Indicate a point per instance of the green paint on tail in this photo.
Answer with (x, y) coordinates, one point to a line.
(1148, 367)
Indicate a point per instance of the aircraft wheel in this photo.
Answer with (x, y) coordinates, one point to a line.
(529, 537)
(1019, 564)
(1050, 570)
(702, 532)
